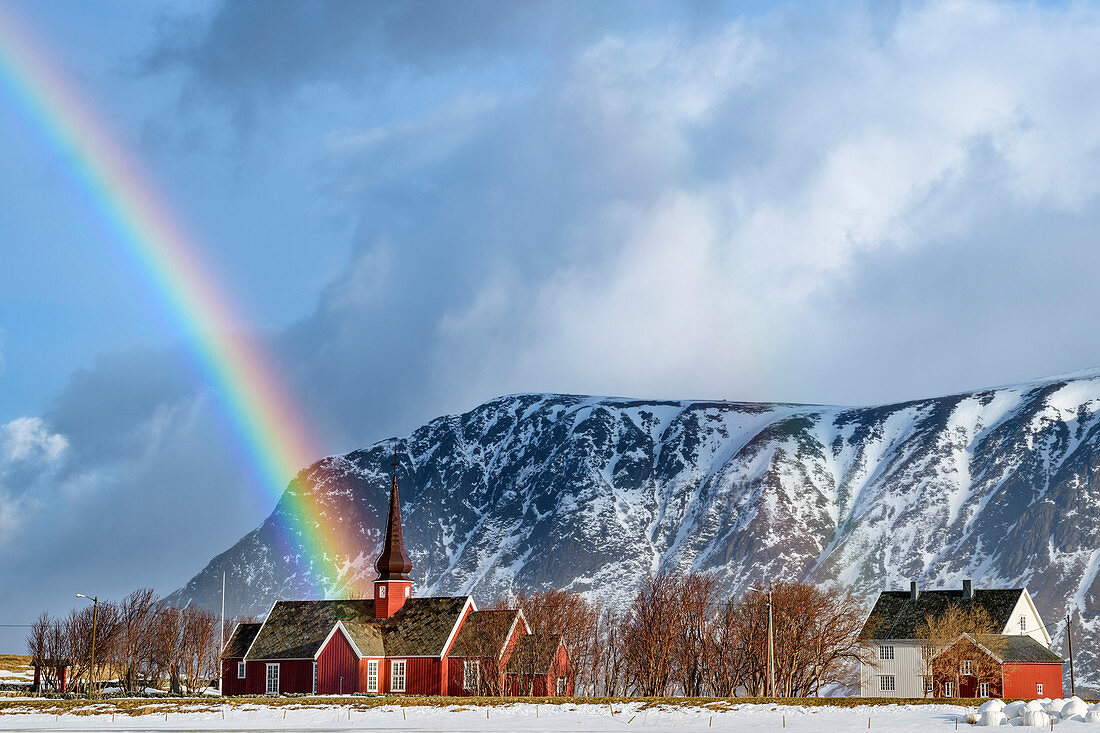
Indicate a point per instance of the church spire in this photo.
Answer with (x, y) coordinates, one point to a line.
(393, 562)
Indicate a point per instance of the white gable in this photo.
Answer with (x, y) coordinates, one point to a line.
(1025, 620)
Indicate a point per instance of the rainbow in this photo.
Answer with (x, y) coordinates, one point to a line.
(269, 429)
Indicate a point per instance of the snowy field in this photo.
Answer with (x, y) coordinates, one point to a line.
(215, 715)
(516, 717)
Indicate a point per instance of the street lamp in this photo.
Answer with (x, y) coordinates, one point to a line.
(771, 643)
(95, 617)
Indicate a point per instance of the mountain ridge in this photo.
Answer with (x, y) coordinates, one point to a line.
(594, 493)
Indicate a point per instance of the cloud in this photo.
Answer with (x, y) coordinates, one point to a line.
(820, 203)
(685, 211)
(28, 438)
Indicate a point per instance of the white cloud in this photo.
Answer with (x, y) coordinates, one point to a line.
(785, 162)
(29, 438)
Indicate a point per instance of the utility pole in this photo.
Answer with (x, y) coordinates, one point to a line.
(95, 617)
(1069, 644)
(221, 643)
(771, 649)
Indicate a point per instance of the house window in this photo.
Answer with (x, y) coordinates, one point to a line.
(408, 591)
(372, 675)
(968, 666)
(241, 669)
(315, 678)
(559, 686)
(949, 689)
(471, 675)
(886, 683)
(929, 686)
(983, 689)
(272, 679)
(1023, 624)
(381, 591)
(397, 675)
(886, 652)
(1038, 688)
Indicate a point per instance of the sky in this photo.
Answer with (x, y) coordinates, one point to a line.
(419, 206)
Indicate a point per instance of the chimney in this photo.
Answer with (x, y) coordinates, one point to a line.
(968, 588)
(914, 591)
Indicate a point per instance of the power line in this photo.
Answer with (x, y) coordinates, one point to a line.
(15, 626)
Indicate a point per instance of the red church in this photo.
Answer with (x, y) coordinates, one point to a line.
(393, 644)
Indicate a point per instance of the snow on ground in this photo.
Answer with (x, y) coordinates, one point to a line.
(516, 717)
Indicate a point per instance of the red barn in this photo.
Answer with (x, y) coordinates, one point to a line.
(393, 643)
(998, 665)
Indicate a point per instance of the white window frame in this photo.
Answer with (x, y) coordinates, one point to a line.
(929, 685)
(968, 666)
(397, 673)
(1023, 624)
(381, 591)
(242, 670)
(408, 591)
(949, 689)
(886, 651)
(315, 678)
(560, 686)
(268, 677)
(887, 683)
(372, 675)
(1038, 688)
(983, 689)
(471, 672)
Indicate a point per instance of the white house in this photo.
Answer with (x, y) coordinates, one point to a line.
(890, 632)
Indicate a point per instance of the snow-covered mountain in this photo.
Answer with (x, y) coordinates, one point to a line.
(590, 493)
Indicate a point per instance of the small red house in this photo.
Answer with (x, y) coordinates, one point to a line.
(391, 644)
(998, 665)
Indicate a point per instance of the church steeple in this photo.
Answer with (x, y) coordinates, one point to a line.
(393, 586)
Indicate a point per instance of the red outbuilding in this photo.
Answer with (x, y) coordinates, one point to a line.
(998, 665)
(392, 644)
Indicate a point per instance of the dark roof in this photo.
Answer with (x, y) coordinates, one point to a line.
(483, 630)
(421, 626)
(537, 648)
(367, 637)
(393, 562)
(240, 640)
(296, 629)
(895, 616)
(1021, 649)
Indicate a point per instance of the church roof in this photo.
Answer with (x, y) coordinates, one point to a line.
(240, 640)
(393, 562)
(534, 653)
(298, 629)
(484, 633)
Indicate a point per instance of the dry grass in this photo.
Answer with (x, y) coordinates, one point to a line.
(15, 663)
(137, 707)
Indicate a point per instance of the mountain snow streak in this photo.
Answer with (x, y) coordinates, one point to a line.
(595, 494)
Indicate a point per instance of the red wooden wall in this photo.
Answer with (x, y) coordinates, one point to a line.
(295, 675)
(1020, 680)
(338, 659)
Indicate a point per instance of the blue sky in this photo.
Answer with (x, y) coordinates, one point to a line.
(421, 206)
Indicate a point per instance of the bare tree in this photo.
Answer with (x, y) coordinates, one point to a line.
(946, 660)
(649, 640)
(37, 643)
(77, 632)
(199, 653)
(133, 646)
(698, 594)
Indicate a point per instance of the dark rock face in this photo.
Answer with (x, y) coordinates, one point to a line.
(593, 494)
